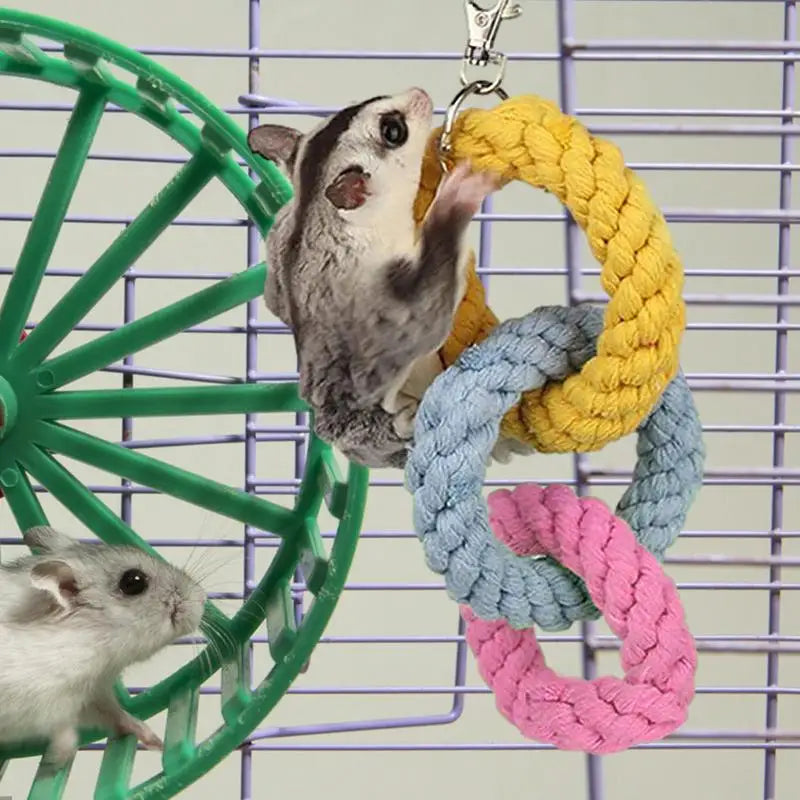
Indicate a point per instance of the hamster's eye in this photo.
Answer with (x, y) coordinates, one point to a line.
(133, 582)
(394, 130)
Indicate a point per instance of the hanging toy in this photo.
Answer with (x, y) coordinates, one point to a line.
(553, 558)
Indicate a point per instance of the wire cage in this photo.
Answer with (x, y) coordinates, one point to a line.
(701, 97)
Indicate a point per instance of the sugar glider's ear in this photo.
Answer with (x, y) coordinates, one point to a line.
(57, 579)
(349, 190)
(276, 143)
(44, 539)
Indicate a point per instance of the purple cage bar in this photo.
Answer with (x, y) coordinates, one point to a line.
(780, 123)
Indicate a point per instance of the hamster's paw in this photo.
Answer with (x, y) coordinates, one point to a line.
(130, 726)
(462, 191)
(149, 738)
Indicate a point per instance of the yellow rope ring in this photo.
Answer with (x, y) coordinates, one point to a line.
(527, 138)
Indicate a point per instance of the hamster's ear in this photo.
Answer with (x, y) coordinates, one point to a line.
(45, 539)
(276, 143)
(57, 579)
(349, 190)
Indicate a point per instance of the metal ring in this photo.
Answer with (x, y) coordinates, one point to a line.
(498, 59)
(476, 87)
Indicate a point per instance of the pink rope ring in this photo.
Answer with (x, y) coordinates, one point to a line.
(639, 602)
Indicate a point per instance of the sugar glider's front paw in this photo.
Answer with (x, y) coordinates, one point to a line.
(505, 448)
(462, 191)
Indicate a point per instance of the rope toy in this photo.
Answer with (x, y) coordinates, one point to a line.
(456, 426)
(528, 138)
(641, 605)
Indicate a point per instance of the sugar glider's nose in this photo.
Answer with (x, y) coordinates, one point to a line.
(419, 101)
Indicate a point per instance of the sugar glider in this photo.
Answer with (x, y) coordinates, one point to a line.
(369, 299)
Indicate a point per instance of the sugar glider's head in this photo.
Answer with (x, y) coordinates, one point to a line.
(364, 159)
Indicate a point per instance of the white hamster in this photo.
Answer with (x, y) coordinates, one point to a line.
(72, 618)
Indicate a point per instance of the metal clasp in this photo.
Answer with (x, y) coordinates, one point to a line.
(483, 25)
(445, 137)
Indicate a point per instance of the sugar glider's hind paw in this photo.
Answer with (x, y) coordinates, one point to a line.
(403, 421)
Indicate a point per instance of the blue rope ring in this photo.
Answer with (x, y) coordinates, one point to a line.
(457, 424)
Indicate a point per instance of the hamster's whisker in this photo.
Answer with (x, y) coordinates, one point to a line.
(259, 605)
(186, 566)
(200, 571)
(220, 635)
(200, 535)
(212, 558)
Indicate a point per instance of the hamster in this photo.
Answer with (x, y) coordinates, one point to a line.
(73, 616)
(368, 299)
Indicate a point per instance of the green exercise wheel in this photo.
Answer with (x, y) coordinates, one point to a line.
(36, 407)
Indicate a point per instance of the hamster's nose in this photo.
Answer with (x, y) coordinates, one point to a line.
(419, 101)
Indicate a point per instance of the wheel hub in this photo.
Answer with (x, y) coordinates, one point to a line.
(8, 407)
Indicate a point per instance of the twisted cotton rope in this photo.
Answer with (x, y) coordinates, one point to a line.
(456, 427)
(641, 605)
(527, 138)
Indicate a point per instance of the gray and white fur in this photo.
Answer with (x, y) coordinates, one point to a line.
(73, 616)
(368, 300)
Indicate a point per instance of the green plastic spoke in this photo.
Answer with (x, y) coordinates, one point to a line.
(116, 769)
(155, 327)
(179, 738)
(174, 481)
(21, 48)
(235, 682)
(72, 494)
(313, 558)
(243, 398)
(331, 484)
(126, 248)
(48, 785)
(281, 625)
(247, 620)
(312, 487)
(22, 499)
(49, 216)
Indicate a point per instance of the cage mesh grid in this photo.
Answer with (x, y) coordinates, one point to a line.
(779, 737)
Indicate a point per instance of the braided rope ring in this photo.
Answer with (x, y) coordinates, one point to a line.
(528, 138)
(456, 426)
(642, 607)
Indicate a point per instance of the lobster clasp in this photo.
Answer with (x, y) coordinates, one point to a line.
(483, 24)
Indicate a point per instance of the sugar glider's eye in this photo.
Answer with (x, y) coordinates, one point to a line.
(394, 130)
(133, 582)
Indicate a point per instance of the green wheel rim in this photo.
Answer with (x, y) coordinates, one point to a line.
(35, 405)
